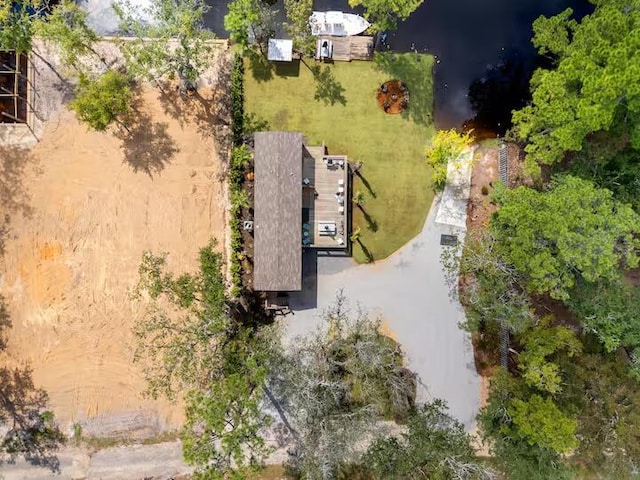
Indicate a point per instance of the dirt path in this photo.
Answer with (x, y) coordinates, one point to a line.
(86, 206)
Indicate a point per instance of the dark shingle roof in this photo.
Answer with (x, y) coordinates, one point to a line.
(278, 211)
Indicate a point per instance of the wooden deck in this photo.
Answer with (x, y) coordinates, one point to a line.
(320, 199)
(345, 49)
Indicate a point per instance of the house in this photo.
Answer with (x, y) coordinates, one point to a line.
(300, 201)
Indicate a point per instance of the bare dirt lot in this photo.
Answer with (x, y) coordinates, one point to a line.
(83, 207)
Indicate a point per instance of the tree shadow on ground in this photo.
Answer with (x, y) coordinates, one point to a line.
(14, 194)
(262, 69)
(366, 184)
(367, 253)
(29, 431)
(253, 123)
(328, 89)
(372, 225)
(5, 323)
(147, 145)
(416, 71)
(207, 110)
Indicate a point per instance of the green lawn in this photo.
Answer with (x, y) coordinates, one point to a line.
(343, 113)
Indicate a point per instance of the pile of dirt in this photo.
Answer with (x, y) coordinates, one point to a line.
(88, 204)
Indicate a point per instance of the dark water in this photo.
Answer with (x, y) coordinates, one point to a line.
(483, 52)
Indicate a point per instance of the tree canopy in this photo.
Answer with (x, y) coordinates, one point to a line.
(250, 21)
(446, 146)
(335, 386)
(434, 446)
(191, 342)
(175, 44)
(100, 102)
(540, 344)
(594, 85)
(297, 26)
(572, 230)
(63, 24)
(383, 14)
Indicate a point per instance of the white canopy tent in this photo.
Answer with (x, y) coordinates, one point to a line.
(280, 50)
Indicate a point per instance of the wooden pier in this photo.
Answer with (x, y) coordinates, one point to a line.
(345, 49)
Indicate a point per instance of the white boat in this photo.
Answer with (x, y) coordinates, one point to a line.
(338, 24)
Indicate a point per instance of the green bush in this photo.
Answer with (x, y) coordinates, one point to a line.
(237, 100)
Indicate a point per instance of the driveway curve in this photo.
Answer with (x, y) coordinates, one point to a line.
(409, 291)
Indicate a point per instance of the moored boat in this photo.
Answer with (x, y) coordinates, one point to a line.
(338, 24)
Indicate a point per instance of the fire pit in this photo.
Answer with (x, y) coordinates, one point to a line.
(393, 96)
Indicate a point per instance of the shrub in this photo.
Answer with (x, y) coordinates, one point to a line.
(484, 190)
(446, 146)
(237, 100)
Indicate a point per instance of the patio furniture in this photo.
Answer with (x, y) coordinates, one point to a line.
(341, 209)
(340, 241)
(306, 181)
(327, 228)
(305, 233)
(341, 181)
(340, 189)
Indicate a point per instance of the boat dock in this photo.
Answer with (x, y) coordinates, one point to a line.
(345, 49)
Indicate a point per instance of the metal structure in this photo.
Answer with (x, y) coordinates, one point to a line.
(16, 88)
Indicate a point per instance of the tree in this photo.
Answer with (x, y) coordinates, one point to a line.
(434, 446)
(174, 45)
(542, 423)
(66, 26)
(384, 15)
(609, 420)
(490, 288)
(355, 235)
(297, 26)
(102, 101)
(594, 85)
(358, 198)
(517, 452)
(191, 342)
(224, 423)
(17, 24)
(63, 24)
(540, 344)
(333, 388)
(609, 309)
(446, 146)
(250, 21)
(572, 230)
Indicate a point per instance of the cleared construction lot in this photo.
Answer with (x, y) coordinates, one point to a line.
(81, 208)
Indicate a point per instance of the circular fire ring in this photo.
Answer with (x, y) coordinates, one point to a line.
(393, 96)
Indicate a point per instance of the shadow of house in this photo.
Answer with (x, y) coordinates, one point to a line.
(299, 207)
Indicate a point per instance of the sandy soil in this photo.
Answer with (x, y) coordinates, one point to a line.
(83, 206)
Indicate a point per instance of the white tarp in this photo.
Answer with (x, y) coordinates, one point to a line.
(455, 197)
(280, 50)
